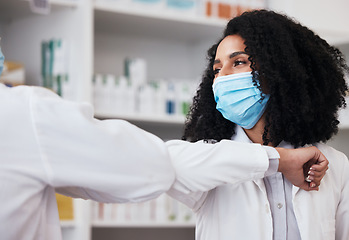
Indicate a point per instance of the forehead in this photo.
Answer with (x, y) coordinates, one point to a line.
(230, 44)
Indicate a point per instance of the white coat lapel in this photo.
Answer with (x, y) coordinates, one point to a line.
(295, 190)
(261, 185)
(240, 136)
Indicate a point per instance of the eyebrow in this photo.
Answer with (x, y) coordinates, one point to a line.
(234, 54)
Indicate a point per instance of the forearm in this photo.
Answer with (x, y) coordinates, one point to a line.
(109, 161)
(201, 167)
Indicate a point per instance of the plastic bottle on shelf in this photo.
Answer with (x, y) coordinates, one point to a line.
(54, 68)
(111, 97)
(98, 92)
(145, 103)
(185, 98)
(136, 71)
(128, 96)
(115, 100)
(158, 97)
(172, 209)
(105, 95)
(171, 99)
(185, 214)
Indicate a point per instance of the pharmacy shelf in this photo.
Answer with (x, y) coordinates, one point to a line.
(111, 224)
(17, 9)
(164, 119)
(112, 17)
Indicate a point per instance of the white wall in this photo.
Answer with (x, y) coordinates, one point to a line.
(327, 18)
(341, 141)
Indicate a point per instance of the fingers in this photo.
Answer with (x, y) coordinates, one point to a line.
(316, 174)
(320, 157)
(303, 164)
(313, 186)
(320, 166)
(309, 186)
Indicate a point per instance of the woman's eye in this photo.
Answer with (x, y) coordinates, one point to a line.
(239, 62)
(216, 71)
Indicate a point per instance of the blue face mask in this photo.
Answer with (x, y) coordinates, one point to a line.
(238, 99)
(2, 59)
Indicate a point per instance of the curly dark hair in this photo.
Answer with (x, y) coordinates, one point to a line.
(303, 74)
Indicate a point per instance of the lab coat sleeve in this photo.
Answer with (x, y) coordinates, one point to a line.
(107, 161)
(342, 215)
(201, 167)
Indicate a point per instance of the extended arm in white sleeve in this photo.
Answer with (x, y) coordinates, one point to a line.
(201, 167)
(107, 161)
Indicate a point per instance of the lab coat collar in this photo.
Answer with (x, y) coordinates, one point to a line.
(240, 136)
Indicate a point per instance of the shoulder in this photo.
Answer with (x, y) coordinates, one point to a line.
(42, 92)
(337, 159)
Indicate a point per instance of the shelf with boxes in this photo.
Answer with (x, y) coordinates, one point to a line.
(134, 98)
(162, 212)
(173, 44)
(177, 19)
(172, 36)
(112, 17)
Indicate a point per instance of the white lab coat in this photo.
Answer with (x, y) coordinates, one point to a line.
(49, 143)
(225, 188)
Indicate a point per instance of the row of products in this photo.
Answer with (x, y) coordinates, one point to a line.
(132, 93)
(225, 9)
(161, 210)
(121, 96)
(54, 67)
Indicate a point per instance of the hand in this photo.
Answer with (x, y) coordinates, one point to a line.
(302, 163)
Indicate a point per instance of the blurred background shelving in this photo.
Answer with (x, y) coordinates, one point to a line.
(101, 34)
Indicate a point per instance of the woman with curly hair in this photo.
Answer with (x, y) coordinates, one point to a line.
(269, 81)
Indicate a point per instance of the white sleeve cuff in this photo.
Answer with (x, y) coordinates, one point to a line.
(273, 156)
